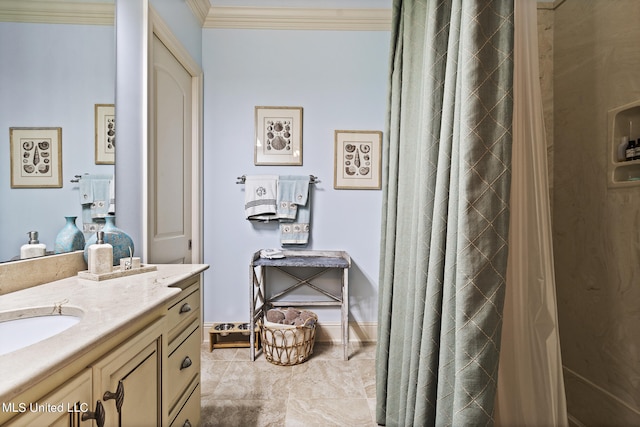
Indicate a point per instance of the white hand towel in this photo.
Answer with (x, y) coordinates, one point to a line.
(260, 197)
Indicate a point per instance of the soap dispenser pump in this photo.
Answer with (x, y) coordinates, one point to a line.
(100, 256)
(34, 248)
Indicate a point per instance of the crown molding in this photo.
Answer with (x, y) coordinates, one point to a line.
(102, 13)
(200, 9)
(276, 18)
(58, 12)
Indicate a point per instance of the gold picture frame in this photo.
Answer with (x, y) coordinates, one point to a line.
(36, 157)
(105, 125)
(278, 136)
(357, 160)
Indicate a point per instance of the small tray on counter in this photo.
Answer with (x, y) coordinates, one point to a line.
(116, 273)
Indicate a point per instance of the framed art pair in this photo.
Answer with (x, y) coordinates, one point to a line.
(278, 141)
(36, 152)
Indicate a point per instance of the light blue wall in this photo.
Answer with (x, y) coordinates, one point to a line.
(183, 24)
(339, 78)
(51, 75)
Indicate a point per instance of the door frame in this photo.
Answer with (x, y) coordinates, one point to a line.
(160, 29)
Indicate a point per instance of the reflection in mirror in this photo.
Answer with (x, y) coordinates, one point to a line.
(52, 75)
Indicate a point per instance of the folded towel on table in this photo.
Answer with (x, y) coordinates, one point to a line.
(271, 254)
(260, 197)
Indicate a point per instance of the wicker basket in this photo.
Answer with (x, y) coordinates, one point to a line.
(288, 345)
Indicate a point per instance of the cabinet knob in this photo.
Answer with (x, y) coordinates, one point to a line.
(186, 363)
(98, 415)
(187, 423)
(118, 396)
(185, 308)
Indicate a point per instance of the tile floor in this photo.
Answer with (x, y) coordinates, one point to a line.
(323, 391)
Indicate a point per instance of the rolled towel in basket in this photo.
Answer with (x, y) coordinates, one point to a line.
(291, 316)
(275, 316)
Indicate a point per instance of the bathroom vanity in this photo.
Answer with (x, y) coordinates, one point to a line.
(133, 358)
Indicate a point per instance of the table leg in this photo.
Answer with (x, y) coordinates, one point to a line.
(345, 313)
(252, 312)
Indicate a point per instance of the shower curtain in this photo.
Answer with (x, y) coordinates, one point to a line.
(530, 382)
(446, 180)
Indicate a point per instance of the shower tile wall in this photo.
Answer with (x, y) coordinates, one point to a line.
(596, 67)
(545, 50)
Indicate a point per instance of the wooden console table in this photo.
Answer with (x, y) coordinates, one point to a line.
(261, 301)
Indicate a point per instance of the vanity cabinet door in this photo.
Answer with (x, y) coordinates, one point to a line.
(128, 380)
(63, 407)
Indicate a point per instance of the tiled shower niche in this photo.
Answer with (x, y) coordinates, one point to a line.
(623, 121)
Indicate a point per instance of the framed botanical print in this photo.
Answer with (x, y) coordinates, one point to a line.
(357, 164)
(105, 122)
(36, 157)
(278, 137)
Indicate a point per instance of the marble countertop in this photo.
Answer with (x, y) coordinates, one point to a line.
(106, 306)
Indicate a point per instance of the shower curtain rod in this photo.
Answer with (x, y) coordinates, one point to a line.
(312, 179)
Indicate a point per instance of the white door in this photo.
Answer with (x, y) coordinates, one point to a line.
(170, 136)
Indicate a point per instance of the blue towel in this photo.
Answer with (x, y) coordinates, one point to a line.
(292, 192)
(294, 210)
(95, 198)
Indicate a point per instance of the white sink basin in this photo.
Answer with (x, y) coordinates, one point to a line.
(19, 329)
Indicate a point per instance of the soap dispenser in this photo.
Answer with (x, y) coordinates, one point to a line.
(34, 248)
(100, 256)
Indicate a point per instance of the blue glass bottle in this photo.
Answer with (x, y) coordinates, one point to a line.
(69, 238)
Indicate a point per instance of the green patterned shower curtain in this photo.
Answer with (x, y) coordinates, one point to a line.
(446, 178)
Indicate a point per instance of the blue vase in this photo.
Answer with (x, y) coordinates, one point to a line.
(70, 238)
(117, 238)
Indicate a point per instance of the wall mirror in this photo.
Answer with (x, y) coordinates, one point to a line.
(58, 63)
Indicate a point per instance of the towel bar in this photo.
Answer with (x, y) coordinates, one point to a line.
(312, 179)
(77, 178)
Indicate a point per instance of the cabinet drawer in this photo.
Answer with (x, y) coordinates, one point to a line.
(189, 414)
(184, 363)
(184, 309)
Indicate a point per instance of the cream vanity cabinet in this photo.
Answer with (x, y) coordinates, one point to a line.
(147, 375)
(74, 393)
(126, 382)
(122, 388)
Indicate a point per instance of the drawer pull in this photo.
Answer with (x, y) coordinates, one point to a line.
(98, 415)
(118, 396)
(186, 363)
(187, 423)
(185, 308)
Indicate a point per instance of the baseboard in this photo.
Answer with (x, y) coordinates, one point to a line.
(359, 332)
